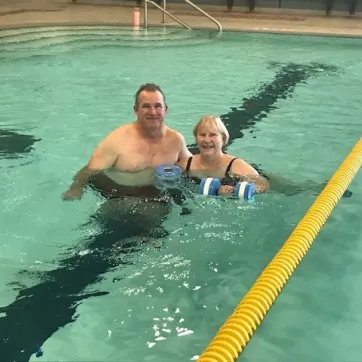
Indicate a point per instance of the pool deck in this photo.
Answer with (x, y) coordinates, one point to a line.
(19, 13)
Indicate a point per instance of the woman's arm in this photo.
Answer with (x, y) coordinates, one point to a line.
(242, 169)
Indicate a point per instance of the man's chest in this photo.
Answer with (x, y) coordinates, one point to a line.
(140, 156)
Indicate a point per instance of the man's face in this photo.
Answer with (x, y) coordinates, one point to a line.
(151, 110)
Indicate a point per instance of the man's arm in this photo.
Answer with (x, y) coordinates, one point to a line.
(184, 151)
(102, 158)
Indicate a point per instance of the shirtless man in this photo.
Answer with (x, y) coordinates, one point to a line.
(130, 153)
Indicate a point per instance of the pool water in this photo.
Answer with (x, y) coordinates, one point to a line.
(292, 105)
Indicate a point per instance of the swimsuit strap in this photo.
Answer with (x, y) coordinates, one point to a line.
(229, 166)
(188, 165)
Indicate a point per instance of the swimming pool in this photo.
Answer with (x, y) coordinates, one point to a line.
(292, 106)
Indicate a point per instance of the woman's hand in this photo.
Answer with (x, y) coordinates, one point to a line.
(225, 190)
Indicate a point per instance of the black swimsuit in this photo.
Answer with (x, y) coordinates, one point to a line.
(226, 180)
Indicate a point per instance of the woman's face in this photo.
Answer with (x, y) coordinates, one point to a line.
(209, 141)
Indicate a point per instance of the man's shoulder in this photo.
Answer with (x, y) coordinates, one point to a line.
(114, 136)
(175, 135)
(121, 130)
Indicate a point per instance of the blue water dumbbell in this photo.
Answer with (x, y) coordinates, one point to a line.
(244, 190)
(167, 176)
(209, 186)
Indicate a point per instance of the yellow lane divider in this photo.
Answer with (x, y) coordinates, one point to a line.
(236, 332)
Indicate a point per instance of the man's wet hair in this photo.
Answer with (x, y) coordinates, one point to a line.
(148, 87)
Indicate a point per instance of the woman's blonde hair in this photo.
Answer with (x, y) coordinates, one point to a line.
(209, 121)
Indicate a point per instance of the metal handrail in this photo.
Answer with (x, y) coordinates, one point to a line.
(205, 13)
(164, 12)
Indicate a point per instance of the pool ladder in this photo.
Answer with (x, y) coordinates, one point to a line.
(165, 12)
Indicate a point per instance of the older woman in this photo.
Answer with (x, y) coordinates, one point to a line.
(211, 137)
